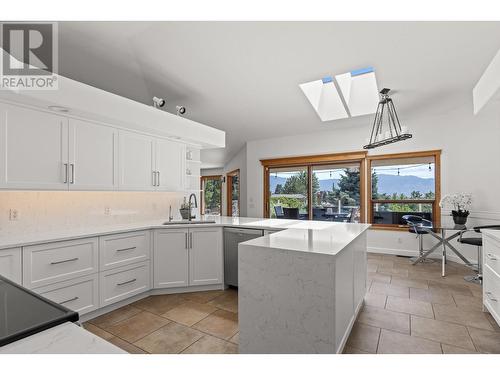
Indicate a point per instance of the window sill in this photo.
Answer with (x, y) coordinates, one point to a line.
(396, 228)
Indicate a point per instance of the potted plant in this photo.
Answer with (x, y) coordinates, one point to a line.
(185, 210)
(460, 203)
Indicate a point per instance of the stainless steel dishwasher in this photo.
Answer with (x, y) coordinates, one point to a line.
(232, 237)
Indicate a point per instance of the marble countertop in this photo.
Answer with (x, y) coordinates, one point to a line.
(492, 233)
(325, 234)
(67, 338)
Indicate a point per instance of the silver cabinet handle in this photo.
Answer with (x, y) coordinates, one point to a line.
(157, 178)
(186, 240)
(491, 256)
(190, 240)
(127, 248)
(126, 282)
(154, 178)
(72, 173)
(490, 297)
(65, 173)
(64, 261)
(68, 300)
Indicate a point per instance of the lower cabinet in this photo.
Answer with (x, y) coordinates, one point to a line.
(10, 264)
(80, 294)
(124, 282)
(187, 257)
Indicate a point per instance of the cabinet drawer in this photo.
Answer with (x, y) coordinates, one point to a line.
(10, 264)
(59, 261)
(491, 292)
(80, 295)
(491, 250)
(124, 282)
(123, 249)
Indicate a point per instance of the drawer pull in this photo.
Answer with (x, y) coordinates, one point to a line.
(490, 297)
(127, 248)
(68, 300)
(491, 256)
(126, 282)
(64, 261)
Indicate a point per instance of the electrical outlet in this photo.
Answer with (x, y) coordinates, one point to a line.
(107, 211)
(13, 214)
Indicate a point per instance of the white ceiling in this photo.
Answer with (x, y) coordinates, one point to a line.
(242, 77)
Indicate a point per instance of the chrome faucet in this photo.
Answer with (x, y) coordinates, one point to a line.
(170, 217)
(189, 204)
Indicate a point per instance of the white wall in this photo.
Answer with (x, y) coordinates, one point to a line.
(470, 161)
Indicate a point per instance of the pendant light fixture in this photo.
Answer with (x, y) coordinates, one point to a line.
(386, 128)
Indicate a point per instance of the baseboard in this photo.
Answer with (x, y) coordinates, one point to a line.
(413, 253)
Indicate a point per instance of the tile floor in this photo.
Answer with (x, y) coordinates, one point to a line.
(408, 309)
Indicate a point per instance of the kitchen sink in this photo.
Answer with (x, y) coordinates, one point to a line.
(178, 222)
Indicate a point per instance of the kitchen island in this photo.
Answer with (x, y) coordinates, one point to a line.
(300, 290)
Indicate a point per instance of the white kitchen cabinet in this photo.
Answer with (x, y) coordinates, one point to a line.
(93, 156)
(124, 282)
(170, 165)
(33, 149)
(10, 264)
(491, 272)
(170, 260)
(205, 256)
(118, 250)
(136, 161)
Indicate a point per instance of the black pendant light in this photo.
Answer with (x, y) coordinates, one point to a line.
(386, 127)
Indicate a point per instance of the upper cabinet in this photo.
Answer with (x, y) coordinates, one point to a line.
(93, 156)
(33, 149)
(40, 150)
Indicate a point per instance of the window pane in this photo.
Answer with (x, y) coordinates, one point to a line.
(392, 213)
(403, 178)
(288, 193)
(336, 192)
(235, 191)
(212, 196)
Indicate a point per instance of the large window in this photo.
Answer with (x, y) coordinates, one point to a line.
(211, 195)
(404, 184)
(322, 187)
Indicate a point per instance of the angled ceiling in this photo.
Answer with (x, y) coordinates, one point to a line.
(242, 77)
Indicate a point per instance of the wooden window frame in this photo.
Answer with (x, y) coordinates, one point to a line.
(202, 190)
(436, 210)
(229, 198)
(317, 160)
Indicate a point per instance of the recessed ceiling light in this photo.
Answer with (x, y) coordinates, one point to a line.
(58, 108)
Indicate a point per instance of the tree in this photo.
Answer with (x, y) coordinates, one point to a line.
(297, 184)
(374, 185)
(278, 189)
(212, 192)
(349, 184)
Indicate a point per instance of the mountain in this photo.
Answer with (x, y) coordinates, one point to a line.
(386, 184)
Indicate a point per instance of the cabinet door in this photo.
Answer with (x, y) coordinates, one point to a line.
(136, 161)
(10, 264)
(170, 258)
(93, 156)
(205, 256)
(170, 165)
(33, 149)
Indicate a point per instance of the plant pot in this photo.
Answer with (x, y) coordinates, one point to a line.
(459, 219)
(184, 213)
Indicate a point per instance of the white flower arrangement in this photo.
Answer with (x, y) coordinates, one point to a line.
(460, 202)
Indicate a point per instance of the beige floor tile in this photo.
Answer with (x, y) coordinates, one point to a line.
(451, 287)
(189, 313)
(375, 300)
(235, 339)
(374, 276)
(381, 262)
(493, 322)
(381, 318)
(434, 296)
(138, 326)
(115, 316)
(389, 289)
(170, 339)
(444, 332)
(413, 283)
(373, 255)
(227, 301)
(469, 302)
(211, 345)
(409, 306)
(393, 271)
(457, 315)
(451, 349)
(371, 267)
(128, 347)
(221, 323)
(159, 305)
(202, 297)
(97, 331)
(351, 350)
(364, 337)
(485, 341)
(398, 343)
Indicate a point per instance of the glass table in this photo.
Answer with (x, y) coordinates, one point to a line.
(440, 233)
